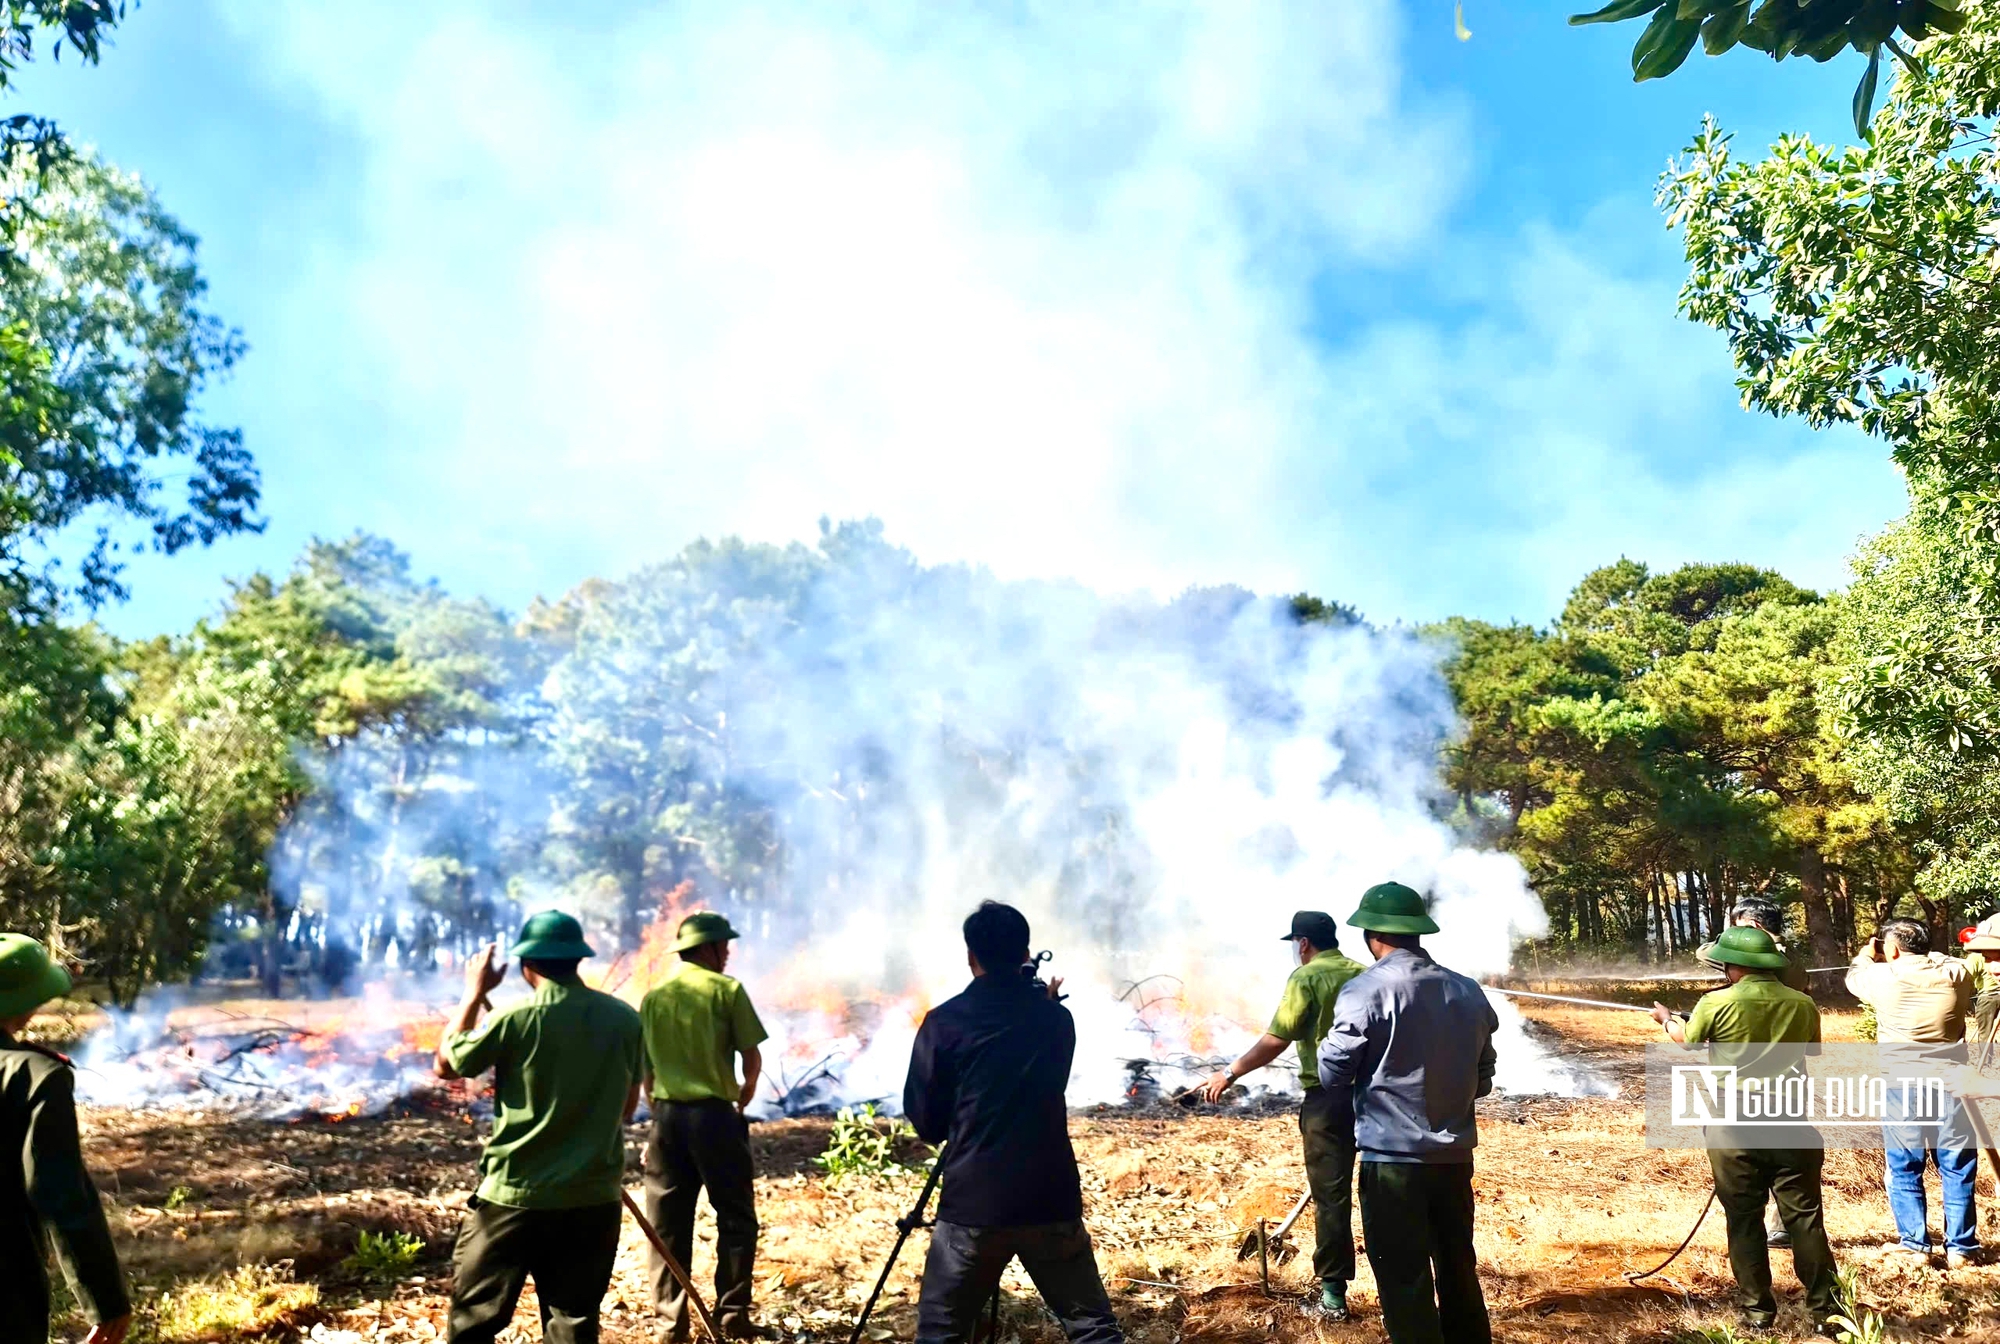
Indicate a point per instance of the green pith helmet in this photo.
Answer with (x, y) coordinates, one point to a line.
(1391, 907)
(551, 935)
(29, 977)
(703, 926)
(1748, 946)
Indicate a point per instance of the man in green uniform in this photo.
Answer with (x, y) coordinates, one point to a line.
(697, 1022)
(45, 1194)
(1326, 1115)
(1757, 1009)
(567, 1064)
(1757, 912)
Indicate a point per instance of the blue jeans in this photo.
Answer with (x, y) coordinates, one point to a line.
(1956, 1152)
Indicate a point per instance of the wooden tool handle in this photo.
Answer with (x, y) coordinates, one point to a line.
(1293, 1216)
(674, 1267)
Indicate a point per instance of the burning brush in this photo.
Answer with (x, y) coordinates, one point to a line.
(271, 1069)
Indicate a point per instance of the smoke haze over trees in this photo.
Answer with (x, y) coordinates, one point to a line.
(347, 767)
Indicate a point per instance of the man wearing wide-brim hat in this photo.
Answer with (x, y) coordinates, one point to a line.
(698, 1023)
(1414, 1043)
(46, 1197)
(567, 1064)
(1758, 1010)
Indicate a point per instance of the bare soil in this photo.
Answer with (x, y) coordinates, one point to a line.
(1569, 1197)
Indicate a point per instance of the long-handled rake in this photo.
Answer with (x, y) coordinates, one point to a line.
(674, 1267)
(1260, 1243)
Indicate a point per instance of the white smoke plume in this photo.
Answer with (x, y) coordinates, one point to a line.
(848, 751)
(1157, 787)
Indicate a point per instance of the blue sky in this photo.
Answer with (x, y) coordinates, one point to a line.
(1295, 295)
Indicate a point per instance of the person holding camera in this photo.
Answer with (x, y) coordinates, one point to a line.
(987, 1077)
(1922, 1000)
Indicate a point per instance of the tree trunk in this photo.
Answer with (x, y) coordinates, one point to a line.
(1843, 910)
(1820, 935)
(271, 959)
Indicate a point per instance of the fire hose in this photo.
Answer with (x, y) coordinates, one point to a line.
(1701, 1217)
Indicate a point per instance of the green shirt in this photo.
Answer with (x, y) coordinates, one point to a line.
(697, 1021)
(1306, 1011)
(563, 1064)
(1755, 1010)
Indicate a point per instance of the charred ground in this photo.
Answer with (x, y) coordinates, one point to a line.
(1569, 1199)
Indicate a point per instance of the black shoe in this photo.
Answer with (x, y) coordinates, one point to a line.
(1781, 1239)
(1333, 1301)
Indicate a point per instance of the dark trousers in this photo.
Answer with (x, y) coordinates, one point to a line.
(1417, 1220)
(567, 1252)
(696, 1146)
(1744, 1178)
(24, 1303)
(964, 1266)
(1326, 1124)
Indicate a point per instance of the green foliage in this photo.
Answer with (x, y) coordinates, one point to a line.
(177, 1199)
(384, 1257)
(110, 303)
(251, 1302)
(863, 1144)
(1913, 671)
(80, 25)
(1710, 1334)
(1855, 286)
(1821, 29)
(1664, 749)
(1856, 1324)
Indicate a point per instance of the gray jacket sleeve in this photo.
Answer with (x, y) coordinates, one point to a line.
(1488, 1059)
(1345, 1053)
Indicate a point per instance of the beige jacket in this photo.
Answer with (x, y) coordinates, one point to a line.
(1921, 1000)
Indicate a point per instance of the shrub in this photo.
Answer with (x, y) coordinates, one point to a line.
(863, 1143)
(383, 1257)
(248, 1303)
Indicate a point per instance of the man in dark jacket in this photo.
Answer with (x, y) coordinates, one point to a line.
(986, 1079)
(45, 1194)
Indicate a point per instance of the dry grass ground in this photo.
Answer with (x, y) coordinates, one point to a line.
(242, 1230)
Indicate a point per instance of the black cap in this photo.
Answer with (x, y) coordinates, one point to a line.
(1316, 925)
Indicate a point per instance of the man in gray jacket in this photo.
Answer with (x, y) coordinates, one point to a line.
(1415, 1043)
